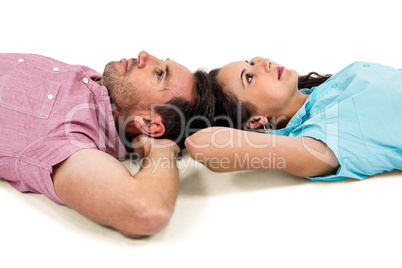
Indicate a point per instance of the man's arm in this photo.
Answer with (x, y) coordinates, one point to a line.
(101, 188)
(228, 149)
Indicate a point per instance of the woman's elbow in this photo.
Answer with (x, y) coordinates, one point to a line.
(196, 144)
(324, 169)
(189, 143)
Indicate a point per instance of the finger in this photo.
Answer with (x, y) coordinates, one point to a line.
(167, 144)
(140, 141)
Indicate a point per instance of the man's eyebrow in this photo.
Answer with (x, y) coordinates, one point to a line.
(167, 73)
(241, 77)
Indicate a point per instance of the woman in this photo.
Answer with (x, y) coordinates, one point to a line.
(333, 128)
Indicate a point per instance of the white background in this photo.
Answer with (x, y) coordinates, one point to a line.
(245, 219)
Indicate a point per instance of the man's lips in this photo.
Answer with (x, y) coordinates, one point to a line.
(127, 63)
(280, 71)
(124, 62)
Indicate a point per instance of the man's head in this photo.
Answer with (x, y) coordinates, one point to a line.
(147, 92)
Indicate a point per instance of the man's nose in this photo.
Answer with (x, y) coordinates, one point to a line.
(144, 58)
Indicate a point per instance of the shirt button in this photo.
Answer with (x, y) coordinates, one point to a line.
(366, 65)
(85, 80)
(20, 60)
(55, 69)
(334, 85)
(50, 96)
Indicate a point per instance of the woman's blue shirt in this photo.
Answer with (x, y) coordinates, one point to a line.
(358, 114)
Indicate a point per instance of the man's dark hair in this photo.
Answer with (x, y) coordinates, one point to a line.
(183, 118)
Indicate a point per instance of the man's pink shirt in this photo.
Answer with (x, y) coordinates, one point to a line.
(48, 111)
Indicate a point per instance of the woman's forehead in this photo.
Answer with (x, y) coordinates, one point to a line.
(230, 73)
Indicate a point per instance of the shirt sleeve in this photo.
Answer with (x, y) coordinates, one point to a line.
(339, 141)
(34, 166)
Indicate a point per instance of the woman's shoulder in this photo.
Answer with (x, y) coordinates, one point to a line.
(363, 71)
(353, 68)
(364, 66)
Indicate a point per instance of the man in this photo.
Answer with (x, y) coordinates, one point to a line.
(63, 126)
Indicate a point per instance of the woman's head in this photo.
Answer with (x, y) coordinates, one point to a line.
(261, 87)
(229, 111)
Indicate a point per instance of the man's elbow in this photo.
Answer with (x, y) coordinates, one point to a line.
(157, 221)
(152, 226)
(147, 221)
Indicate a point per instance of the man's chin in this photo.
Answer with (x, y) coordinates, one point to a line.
(109, 74)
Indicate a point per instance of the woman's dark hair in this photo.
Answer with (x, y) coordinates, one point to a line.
(230, 112)
(312, 79)
(182, 118)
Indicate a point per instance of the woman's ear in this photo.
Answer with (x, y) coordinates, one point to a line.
(152, 127)
(255, 122)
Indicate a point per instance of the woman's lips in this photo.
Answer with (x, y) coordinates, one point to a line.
(280, 71)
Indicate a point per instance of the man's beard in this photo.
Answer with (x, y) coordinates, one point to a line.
(122, 92)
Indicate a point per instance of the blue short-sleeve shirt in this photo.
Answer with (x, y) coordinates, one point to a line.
(358, 114)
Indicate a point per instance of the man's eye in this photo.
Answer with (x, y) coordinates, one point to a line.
(252, 63)
(249, 78)
(159, 74)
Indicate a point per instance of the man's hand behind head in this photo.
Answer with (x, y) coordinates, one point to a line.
(144, 144)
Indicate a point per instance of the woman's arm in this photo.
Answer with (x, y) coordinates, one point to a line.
(227, 149)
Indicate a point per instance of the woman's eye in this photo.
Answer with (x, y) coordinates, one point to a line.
(249, 78)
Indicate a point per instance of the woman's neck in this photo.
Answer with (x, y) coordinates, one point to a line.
(284, 116)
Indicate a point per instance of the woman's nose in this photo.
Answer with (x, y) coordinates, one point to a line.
(263, 62)
(267, 65)
(256, 60)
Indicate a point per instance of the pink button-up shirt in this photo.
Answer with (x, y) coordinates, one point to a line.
(48, 111)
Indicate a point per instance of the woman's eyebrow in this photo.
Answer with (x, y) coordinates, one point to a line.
(241, 77)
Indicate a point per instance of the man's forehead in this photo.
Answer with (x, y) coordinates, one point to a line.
(182, 82)
(180, 68)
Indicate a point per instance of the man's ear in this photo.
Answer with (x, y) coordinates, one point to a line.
(255, 122)
(151, 126)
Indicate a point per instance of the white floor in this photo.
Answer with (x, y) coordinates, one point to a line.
(242, 219)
